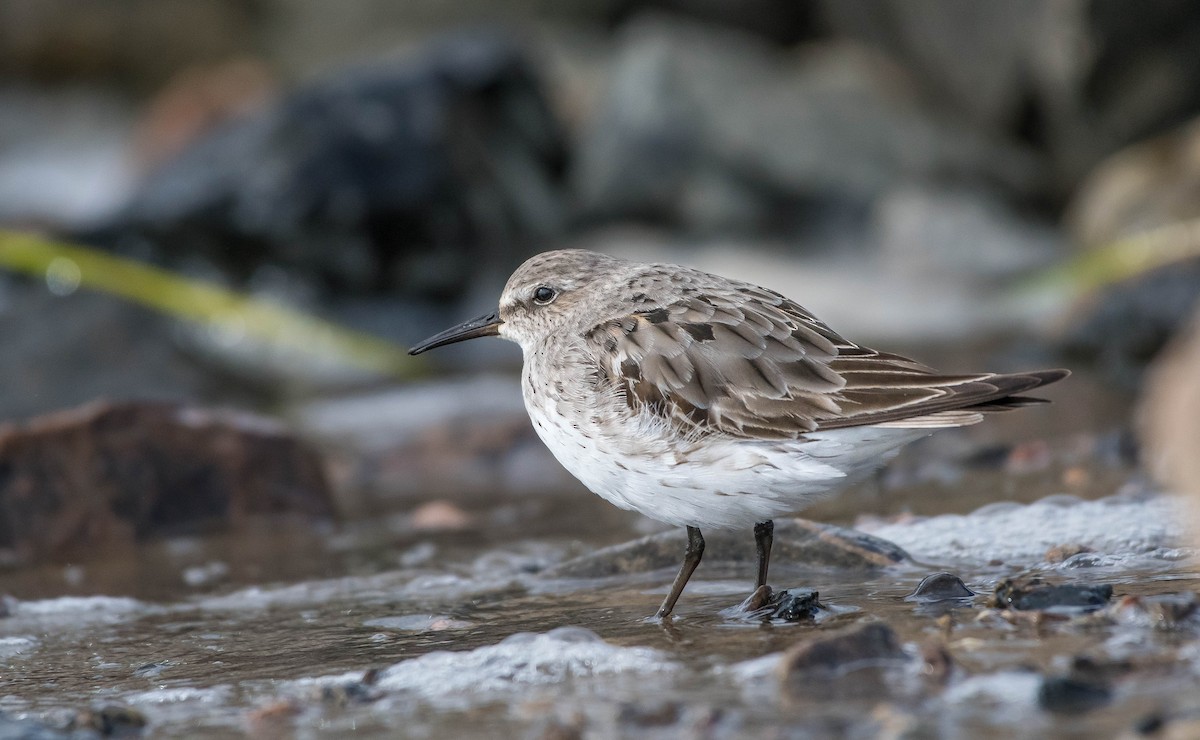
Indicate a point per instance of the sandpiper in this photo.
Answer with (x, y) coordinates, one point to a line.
(706, 402)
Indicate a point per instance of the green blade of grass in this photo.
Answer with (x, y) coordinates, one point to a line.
(200, 302)
(1120, 259)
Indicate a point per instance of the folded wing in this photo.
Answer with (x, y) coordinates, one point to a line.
(750, 363)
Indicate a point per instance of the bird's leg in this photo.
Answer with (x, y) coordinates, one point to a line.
(764, 537)
(691, 558)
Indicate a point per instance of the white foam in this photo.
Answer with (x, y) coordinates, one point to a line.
(1122, 527)
(521, 661)
(350, 588)
(375, 588)
(79, 605)
(219, 694)
(1011, 689)
(17, 645)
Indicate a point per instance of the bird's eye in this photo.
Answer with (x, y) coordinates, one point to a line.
(544, 294)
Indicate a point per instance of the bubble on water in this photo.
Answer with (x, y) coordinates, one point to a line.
(63, 276)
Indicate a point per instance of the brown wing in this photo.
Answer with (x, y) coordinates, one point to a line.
(748, 362)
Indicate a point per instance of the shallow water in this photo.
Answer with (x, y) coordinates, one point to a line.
(272, 631)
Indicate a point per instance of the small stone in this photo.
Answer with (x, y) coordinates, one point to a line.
(850, 664)
(1071, 695)
(641, 716)
(828, 654)
(940, 587)
(439, 516)
(151, 670)
(796, 605)
(1033, 595)
(1150, 724)
(110, 721)
(347, 694)
(1061, 553)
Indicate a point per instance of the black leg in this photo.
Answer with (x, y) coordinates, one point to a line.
(691, 558)
(764, 537)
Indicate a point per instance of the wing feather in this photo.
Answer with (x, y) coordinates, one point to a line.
(747, 362)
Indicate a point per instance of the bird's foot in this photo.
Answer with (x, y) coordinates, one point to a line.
(757, 600)
(788, 605)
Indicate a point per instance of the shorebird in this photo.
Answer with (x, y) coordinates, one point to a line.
(706, 402)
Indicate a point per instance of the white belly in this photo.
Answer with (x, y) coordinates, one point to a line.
(635, 463)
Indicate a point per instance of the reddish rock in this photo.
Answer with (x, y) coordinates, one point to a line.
(106, 473)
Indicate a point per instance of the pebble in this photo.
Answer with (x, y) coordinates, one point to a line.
(940, 587)
(1032, 595)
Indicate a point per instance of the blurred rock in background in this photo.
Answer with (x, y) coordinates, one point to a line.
(98, 476)
(1170, 418)
(1142, 204)
(712, 131)
(1078, 78)
(404, 175)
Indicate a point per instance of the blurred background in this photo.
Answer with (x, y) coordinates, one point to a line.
(982, 185)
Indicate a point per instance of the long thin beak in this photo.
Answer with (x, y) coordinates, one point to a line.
(482, 326)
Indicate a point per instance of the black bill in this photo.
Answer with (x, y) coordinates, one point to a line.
(482, 326)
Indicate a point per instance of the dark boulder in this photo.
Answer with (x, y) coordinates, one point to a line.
(408, 174)
(104, 474)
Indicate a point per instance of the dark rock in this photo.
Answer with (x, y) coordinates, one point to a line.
(716, 132)
(105, 473)
(854, 663)
(875, 642)
(1070, 695)
(796, 605)
(348, 694)
(1125, 325)
(644, 716)
(1035, 596)
(1150, 724)
(797, 542)
(407, 175)
(110, 721)
(1100, 669)
(940, 587)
